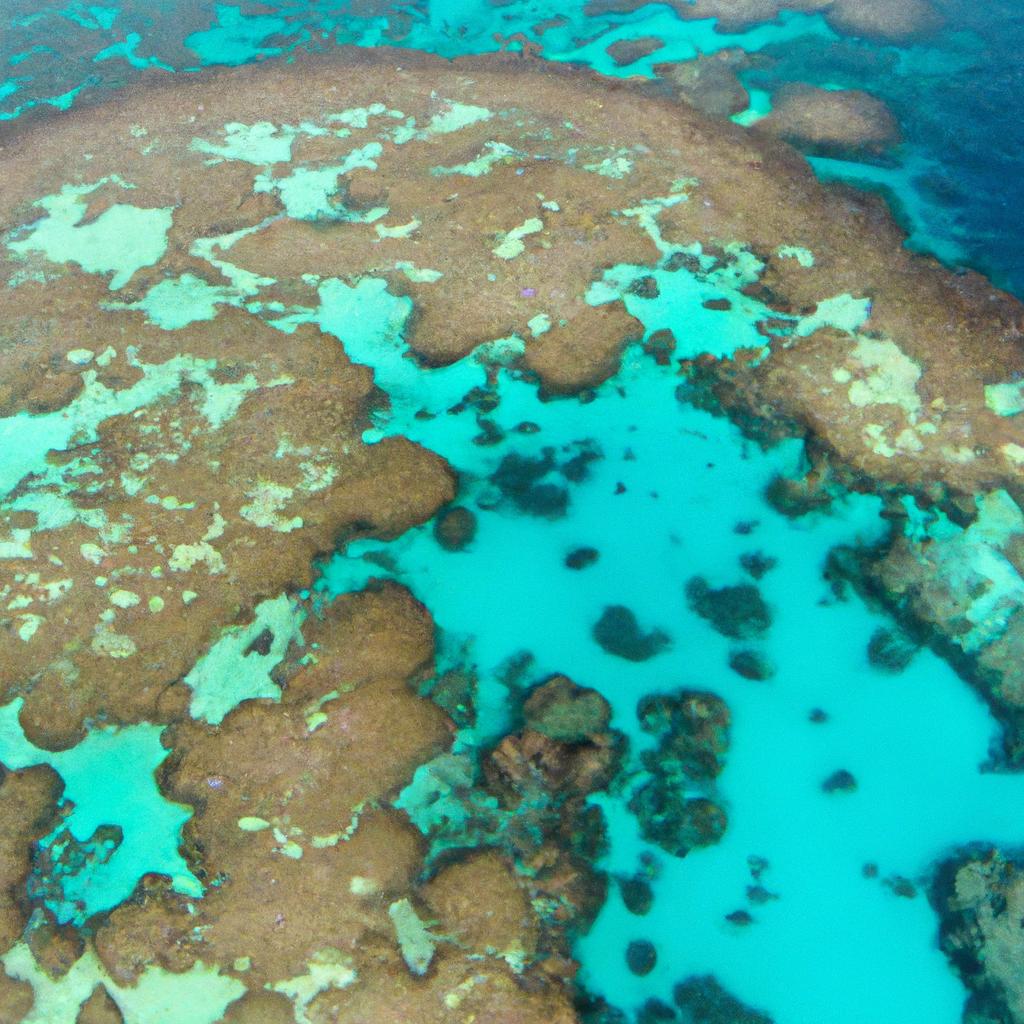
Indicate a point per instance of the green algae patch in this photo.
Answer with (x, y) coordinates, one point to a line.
(199, 995)
(612, 166)
(327, 968)
(1005, 399)
(28, 438)
(538, 325)
(306, 192)
(419, 275)
(843, 312)
(398, 230)
(238, 666)
(179, 301)
(108, 782)
(250, 824)
(493, 153)
(260, 143)
(414, 938)
(455, 118)
(120, 241)
(891, 376)
(511, 244)
(796, 252)
(973, 565)
(266, 501)
(985, 588)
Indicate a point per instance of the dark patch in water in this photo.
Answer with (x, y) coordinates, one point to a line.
(618, 633)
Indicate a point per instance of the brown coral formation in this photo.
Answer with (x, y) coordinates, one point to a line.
(168, 536)
(442, 195)
(709, 82)
(27, 812)
(99, 1008)
(980, 899)
(732, 15)
(312, 873)
(844, 122)
(895, 21)
(16, 999)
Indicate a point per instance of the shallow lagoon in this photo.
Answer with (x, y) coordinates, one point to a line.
(915, 742)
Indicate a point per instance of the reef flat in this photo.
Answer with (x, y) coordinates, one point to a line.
(256, 316)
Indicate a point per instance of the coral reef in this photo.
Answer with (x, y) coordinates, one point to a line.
(842, 123)
(709, 83)
(195, 276)
(675, 805)
(955, 577)
(318, 888)
(893, 21)
(979, 896)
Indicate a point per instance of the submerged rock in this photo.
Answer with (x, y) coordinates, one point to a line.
(455, 528)
(704, 1000)
(751, 665)
(736, 611)
(654, 1011)
(520, 479)
(581, 558)
(618, 632)
(692, 729)
(979, 896)
(641, 957)
(563, 711)
(597, 1010)
(709, 82)
(757, 564)
(637, 894)
(889, 650)
(628, 51)
(830, 122)
(840, 781)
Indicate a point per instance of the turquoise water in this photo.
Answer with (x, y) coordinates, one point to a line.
(914, 742)
(663, 490)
